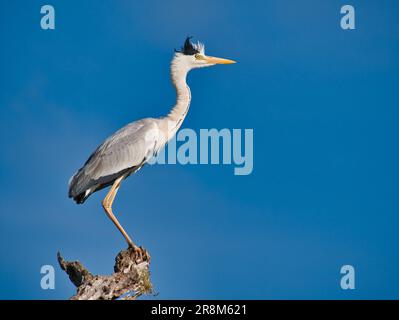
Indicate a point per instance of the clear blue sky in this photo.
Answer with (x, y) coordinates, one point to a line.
(323, 104)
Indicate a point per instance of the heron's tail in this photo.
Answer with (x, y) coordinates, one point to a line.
(75, 188)
(80, 198)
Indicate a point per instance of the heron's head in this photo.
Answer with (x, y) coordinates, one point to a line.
(192, 55)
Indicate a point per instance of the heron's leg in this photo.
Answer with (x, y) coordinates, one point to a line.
(107, 205)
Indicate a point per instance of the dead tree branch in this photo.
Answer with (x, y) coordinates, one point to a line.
(131, 277)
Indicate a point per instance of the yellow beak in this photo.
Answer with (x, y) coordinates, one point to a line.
(215, 60)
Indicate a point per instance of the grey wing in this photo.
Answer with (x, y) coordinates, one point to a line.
(122, 153)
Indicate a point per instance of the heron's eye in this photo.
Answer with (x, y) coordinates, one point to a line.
(198, 56)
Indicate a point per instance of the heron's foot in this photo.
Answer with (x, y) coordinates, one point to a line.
(141, 254)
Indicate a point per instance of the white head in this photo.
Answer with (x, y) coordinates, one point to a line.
(193, 56)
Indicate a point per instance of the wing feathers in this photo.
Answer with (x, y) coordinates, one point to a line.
(128, 148)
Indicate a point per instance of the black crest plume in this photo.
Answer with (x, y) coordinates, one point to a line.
(188, 48)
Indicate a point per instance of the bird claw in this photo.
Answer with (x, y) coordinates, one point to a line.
(141, 254)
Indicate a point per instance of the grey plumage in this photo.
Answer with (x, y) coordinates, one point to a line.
(123, 153)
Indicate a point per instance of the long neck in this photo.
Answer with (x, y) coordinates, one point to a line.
(183, 94)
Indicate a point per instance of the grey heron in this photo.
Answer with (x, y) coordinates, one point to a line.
(131, 147)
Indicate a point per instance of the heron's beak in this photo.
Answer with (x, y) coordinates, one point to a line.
(214, 60)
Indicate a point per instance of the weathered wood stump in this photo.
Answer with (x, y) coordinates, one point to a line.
(131, 277)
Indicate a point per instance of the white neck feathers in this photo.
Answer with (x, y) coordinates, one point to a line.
(178, 73)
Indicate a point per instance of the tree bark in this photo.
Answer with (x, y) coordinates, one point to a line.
(131, 277)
